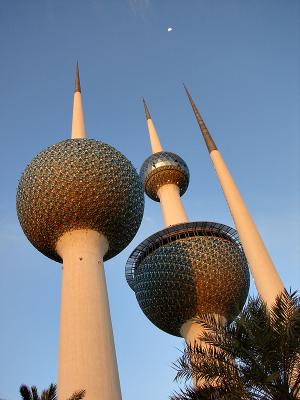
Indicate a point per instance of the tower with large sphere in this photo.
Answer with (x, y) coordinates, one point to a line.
(80, 202)
(188, 268)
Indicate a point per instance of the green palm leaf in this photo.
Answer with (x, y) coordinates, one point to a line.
(257, 356)
(47, 394)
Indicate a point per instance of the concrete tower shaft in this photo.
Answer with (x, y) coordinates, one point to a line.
(79, 202)
(266, 278)
(86, 358)
(78, 126)
(154, 139)
(166, 177)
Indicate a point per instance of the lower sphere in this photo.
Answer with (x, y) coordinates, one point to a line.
(190, 276)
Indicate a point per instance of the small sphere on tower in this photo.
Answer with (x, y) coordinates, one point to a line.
(80, 184)
(164, 168)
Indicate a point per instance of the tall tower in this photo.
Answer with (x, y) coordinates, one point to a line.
(266, 278)
(80, 202)
(188, 268)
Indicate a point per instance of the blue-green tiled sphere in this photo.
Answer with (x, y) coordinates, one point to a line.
(163, 168)
(186, 270)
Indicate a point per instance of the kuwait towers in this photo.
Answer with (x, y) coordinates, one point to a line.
(80, 202)
(188, 268)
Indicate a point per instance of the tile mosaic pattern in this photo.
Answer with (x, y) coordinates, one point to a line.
(80, 184)
(162, 168)
(186, 270)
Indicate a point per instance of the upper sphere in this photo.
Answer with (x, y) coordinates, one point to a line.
(163, 168)
(80, 184)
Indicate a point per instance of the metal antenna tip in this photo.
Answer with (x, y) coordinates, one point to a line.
(206, 135)
(147, 113)
(187, 92)
(77, 80)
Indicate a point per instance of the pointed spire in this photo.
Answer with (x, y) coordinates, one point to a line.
(78, 127)
(148, 116)
(154, 139)
(77, 80)
(206, 135)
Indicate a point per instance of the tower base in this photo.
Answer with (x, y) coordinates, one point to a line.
(87, 359)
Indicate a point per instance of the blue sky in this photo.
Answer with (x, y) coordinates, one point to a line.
(240, 60)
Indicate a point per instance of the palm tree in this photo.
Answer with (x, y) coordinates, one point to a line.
(257, 356)
(48, 394)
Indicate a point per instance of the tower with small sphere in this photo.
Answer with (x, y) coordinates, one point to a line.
(188, 268)
(80, 202)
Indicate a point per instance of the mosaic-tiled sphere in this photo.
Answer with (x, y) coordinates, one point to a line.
(164, 168)
(80, 184)
(186, 270)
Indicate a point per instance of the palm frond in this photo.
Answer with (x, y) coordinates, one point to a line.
(182, 366)
(25, 392)
(77, 395)
(50, 393)
(35, 393)
(257, 355)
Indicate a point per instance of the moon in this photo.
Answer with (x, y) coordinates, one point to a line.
(170, 29)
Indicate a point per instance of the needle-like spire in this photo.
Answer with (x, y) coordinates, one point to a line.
(77, 80)
(78, 127)
(147, 113)
(206, 135)
(154, 139)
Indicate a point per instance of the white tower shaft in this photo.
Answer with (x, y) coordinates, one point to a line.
(171, 205)
(265, 275)
(78, 126)
(266, 278)
(154, 139)
(87, 358)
